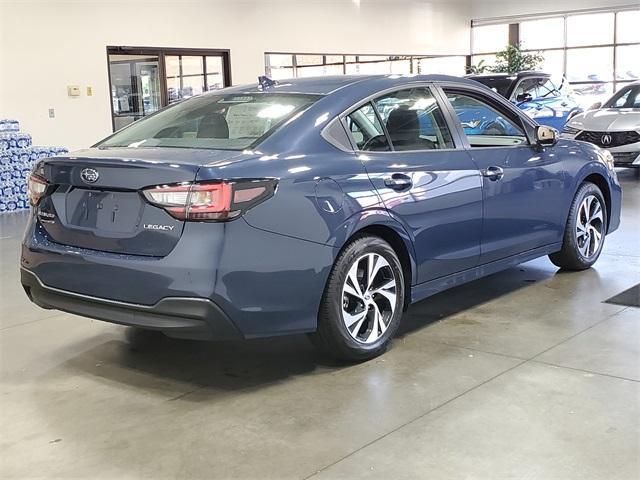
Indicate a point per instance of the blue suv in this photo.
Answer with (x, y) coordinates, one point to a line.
(534, 93)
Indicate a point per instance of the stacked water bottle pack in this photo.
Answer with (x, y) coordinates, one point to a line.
(17, 157)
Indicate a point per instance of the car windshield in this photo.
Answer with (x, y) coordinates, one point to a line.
(626, 98)
(227, 122)
(499, 85)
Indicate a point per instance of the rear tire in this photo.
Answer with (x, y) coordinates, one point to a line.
(363, 301)
(585, 230)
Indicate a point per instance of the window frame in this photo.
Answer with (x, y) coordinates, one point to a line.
(502, 105)
(458, 143)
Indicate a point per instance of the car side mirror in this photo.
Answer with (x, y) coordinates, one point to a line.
(595, 106)
(524, 97)
(546, 136)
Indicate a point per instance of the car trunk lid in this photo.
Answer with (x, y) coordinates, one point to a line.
(95, 198)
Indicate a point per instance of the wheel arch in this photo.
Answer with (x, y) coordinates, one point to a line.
(601, 182)
(399, 244)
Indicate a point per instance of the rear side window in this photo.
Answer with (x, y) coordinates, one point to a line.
(366, 129)
(226, 122)
(484, 124)
(414, 120)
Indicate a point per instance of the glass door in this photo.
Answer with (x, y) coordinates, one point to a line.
(144, 79)
(135, 87)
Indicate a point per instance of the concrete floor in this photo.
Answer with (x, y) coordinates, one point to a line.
(522, 374)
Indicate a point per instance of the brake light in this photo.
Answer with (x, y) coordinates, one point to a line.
(36, 186)
(210, 201)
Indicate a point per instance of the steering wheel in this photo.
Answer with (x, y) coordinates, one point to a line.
(494, 128)
(373, 142)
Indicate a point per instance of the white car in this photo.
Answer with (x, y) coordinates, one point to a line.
(615, 125)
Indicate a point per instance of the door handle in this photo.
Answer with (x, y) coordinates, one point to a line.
(398, 181)
(493, 173)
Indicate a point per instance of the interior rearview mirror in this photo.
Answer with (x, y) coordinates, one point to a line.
(546, 136)
(595, 106)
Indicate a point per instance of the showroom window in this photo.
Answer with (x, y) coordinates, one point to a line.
(596, 52)
(143, 80)
(290, 65)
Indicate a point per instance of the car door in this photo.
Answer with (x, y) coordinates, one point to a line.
(523, 185)
(433, 188)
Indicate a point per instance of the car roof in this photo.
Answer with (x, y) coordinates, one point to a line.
(329, 84)
(528, 73)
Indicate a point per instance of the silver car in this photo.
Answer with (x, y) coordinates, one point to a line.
(614, 125)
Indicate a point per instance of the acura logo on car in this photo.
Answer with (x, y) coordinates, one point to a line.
(89, 175)
(606, 139)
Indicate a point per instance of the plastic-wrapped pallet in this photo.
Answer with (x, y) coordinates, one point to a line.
(17, 157)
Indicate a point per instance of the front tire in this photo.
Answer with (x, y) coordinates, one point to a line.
(585, 230)
(363, 300)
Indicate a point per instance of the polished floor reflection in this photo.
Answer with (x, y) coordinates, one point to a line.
(523, 374)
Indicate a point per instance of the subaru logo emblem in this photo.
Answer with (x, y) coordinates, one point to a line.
(606, 139)
(89, 175)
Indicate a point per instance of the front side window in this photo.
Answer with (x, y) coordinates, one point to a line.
(226, 122)
(414, 120)
(366, 129)
(483, 124)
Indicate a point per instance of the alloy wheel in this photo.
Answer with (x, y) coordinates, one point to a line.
(589, 226)
(369, 298)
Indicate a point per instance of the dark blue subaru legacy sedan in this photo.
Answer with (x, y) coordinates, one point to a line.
(319, 205)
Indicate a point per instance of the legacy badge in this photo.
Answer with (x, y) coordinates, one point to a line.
(153, 226)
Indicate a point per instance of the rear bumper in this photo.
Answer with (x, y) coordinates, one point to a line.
(179, 317)
(266, 284)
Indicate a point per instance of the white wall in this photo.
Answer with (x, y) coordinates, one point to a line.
(47, 45)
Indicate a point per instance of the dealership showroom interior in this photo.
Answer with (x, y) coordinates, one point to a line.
(332, 239)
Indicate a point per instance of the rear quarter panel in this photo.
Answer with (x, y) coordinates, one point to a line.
(323, 197)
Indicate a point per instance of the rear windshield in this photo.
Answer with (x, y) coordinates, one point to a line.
(226, 122)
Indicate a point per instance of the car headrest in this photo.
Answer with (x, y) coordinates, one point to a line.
(403, 123)
(214, 125)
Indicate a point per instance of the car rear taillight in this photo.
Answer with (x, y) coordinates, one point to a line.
(210, 201)
(36, 186)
